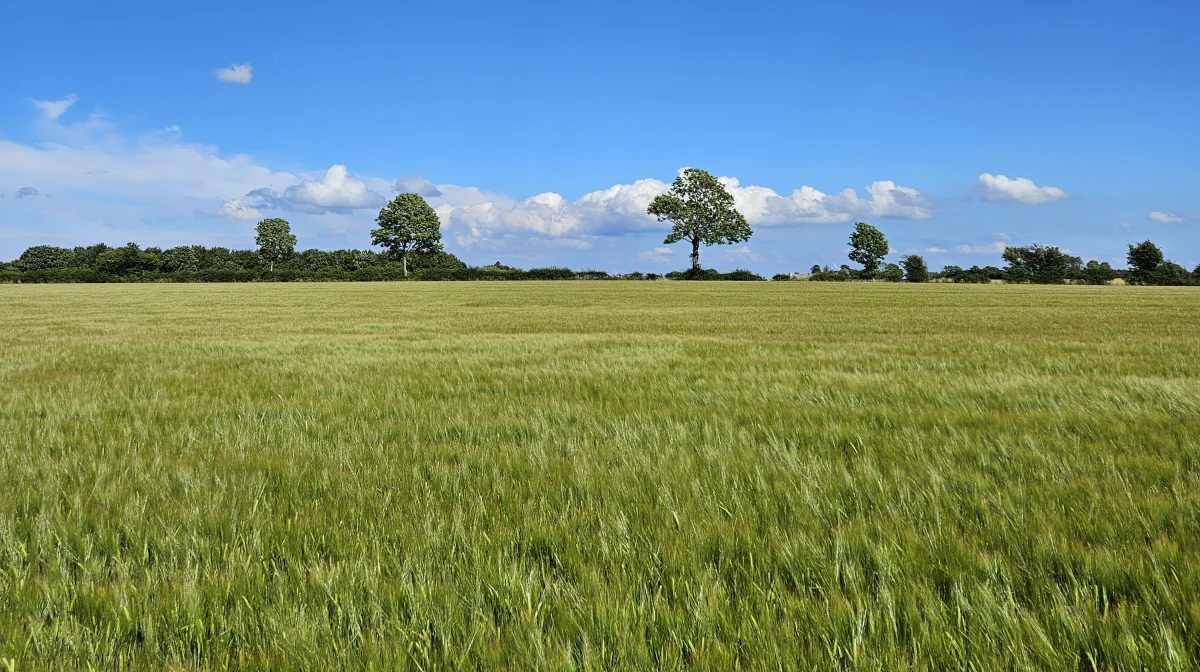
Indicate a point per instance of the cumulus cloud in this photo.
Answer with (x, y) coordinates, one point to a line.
(936, 250)
(337, 192)
(235, 74)
(765, 207)
(1001, 189)
(417, 185)
(621, 209)
(53, 109)
(26, 191)
(659, 255)
(236, 209)
(1165, 217)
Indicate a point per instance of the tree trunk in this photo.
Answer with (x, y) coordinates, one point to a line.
(695, 254)
(404, 258)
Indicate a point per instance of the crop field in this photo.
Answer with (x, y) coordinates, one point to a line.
(599, 475)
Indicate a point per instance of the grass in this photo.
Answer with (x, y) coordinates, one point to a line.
(599, 476)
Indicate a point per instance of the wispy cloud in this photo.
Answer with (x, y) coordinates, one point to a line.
(53, 109)
(1165, 217)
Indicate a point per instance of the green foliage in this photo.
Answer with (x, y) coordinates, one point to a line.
(407, 224)
(1169, 274)
(435, 260)
(126, 260)
(626, 476)
(892, 273)
(915, 269)
(275, 241)
(42, 258)
(1098, 273)
(700, 210)
(781, 277)
(1038, 264)
(868, 247)
(740, 274)
(1144, 258)
(176, 259)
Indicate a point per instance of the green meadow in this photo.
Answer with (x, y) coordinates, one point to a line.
(599, 475)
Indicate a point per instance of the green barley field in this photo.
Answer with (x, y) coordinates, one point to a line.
(599, 475)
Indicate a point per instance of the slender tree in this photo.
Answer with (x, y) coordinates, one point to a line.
(275, 240)
(406, 225)
(700, 210)
(868, 247)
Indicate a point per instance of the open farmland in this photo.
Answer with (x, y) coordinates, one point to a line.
(599, 475)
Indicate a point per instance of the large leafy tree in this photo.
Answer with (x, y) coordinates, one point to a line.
(1039, 264)
(407, 224)
(868, 247)
(700, 210)
(43, 258)
(1144, 259)
(275, 240)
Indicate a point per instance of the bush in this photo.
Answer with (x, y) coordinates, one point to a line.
(915, 269)
(550, 273)
(892, 273)
(781, 277)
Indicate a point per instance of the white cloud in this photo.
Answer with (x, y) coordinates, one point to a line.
(1001, 189)
(1165, 217)
(659, 255)
(417, 185)
(936, 250)
(53, 109)
(622, 209)
(740, 254)
(996, 247)
(235, 74)
(338, 191)
(765, 207)
(237, 210)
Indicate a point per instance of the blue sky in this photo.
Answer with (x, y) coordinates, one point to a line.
(541, 131)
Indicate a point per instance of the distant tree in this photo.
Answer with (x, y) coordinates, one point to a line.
(275, 241)
(407, 224)
(868, 247)
(1170, 274)
(700, 210)
(1144, 258)
(892, 273)
(43, 258)
(126, 260)
(85, 257)
(951, 273)
(1098, 273)
(914, 268)
(182, 258)
(815, 269)
(1039, 264)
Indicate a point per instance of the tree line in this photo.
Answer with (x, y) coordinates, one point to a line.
(698, 207)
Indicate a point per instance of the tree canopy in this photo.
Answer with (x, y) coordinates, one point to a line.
(700, 210)
(275, 240)
(407, 224)
(868, 247)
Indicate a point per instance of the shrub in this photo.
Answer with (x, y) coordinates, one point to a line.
(915, 269)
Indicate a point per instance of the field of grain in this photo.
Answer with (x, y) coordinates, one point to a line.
(599, 475)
